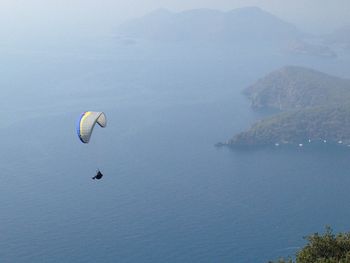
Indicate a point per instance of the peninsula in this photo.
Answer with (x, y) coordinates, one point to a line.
(314, 107)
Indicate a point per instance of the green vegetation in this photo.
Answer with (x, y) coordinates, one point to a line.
(296, 88)
(326, 248)
(300, 126)
(316, 105)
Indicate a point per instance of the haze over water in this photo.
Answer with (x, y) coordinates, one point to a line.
(168, 195)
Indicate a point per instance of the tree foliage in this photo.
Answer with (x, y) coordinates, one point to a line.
(326, 248)
(329, 122)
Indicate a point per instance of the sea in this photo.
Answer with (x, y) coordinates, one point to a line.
(168, 194)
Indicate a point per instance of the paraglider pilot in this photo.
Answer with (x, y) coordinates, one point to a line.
(98, 175)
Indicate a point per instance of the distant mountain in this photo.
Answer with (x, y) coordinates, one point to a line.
(318, 107)
(296, 87)
(340, 37)
(244, 24)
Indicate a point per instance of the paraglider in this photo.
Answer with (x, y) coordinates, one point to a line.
(87, 123)
(85, 127)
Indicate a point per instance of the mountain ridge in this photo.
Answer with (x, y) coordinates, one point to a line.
(293, 87)
(242, 24)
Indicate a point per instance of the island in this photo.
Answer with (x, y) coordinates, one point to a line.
(314, 108)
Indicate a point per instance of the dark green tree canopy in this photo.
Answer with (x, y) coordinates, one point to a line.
(326, 248)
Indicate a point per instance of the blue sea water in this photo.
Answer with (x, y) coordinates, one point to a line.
(168, 195)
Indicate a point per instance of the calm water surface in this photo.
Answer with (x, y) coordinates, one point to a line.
(168, 195)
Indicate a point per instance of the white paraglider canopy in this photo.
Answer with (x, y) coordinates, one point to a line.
(87, 123)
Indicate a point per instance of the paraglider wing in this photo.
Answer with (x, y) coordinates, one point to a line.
(87, 122)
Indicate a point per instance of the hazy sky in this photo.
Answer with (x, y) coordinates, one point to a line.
(59, 16)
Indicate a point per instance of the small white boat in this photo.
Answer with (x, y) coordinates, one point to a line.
(301, 145)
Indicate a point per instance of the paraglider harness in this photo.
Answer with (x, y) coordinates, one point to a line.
(98, 175)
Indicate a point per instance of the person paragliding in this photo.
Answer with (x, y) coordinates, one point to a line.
(86, 124)
(98, 175)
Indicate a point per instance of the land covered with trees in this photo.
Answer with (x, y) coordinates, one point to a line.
(314, 107)
(323, 248)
